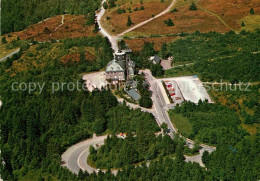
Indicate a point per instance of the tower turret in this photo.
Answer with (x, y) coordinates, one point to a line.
(120, 57)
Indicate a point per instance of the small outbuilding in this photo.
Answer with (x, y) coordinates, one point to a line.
(134, 94)
(155, 59)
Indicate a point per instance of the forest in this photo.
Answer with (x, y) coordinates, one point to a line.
(237, 160)
(142, 147)
(120, 120)
(211, 123)
(230, 57)
(18, 14)
(37, 127)
(246, 103)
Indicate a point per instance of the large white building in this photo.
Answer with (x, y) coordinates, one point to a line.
(121, 68)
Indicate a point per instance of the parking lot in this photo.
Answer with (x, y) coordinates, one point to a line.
(173, 91)
(95, 80)
(188, 88)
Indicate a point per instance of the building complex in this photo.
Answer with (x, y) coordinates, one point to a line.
(121, 68)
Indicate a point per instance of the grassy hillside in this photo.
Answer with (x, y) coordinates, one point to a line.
(115, 18)
(210, 15)
(230, 57)
(73, 27)
(18, 14)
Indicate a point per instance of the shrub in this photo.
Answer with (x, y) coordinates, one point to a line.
(174, 10)
(169, 22)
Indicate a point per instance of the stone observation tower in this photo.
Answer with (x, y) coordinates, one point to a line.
(120, 69)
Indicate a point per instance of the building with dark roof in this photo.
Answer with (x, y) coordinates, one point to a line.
(134, 94)
(155, 59)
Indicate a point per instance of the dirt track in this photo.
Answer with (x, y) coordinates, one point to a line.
(149, 20)
(113, 39)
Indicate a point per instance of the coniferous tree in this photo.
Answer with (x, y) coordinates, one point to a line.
(129, 21)
(96, 28)
(252, 11)
(205, 157)
(4, 40)
(164, 51)
(105, 5)
(179, 154)
(82, 56)
(193, 7)
(111, 3)
(157, 70)
(81, 175)
(169, 22)
(122, 45)
(91, 18)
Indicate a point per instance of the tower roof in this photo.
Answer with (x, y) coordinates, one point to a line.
(113, 66)
(128, 50)
(120, 52)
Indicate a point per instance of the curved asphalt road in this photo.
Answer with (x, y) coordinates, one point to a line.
(75, 158)
(161, 113)
(112, 39)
